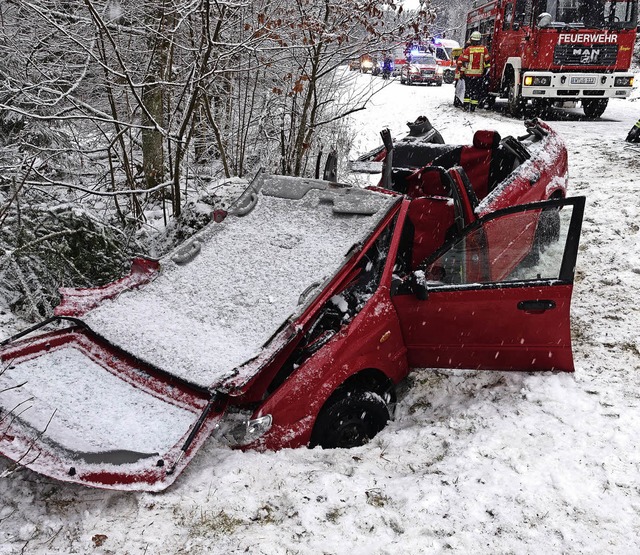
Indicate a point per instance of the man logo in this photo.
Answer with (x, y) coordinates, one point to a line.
(587, 55)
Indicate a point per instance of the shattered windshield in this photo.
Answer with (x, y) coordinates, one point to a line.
(616, 14)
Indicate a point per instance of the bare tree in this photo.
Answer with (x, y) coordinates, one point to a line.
(143, 79)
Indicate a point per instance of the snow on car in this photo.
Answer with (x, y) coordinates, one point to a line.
(290, 322)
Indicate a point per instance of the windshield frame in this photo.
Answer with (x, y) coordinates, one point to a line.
(423, 59)
(580, 14)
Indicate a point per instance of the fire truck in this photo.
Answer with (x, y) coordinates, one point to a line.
(557, 52)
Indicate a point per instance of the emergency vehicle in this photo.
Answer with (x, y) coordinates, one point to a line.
(558, 52)
(441, 48)
(443, 51)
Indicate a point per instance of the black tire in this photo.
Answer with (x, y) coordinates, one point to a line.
(541, 106)
(448, 77)
(595, 107)
(350, 418)
(515, 101)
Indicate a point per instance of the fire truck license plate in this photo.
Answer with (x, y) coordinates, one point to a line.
(583, 80)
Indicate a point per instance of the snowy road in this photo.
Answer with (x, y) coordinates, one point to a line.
(474, 462)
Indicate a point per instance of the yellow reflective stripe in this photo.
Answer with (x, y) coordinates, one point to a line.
(637, 124)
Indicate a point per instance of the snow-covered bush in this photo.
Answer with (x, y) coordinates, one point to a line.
(43, 247)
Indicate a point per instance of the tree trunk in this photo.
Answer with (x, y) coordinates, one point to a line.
(153, 115)
(152, 139)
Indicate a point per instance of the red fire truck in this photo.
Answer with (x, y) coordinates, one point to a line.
(558, 52)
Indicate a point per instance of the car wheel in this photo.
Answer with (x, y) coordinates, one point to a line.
(448, 77)
(350, 418)
(594, 108)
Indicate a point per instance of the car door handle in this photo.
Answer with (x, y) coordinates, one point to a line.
(536, 306)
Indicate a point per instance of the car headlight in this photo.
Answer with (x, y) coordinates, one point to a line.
(238, 429)
(537, 81)
(623, 81)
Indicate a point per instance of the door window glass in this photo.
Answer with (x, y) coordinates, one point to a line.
(508, 17)
(441, 54)
(521, 246)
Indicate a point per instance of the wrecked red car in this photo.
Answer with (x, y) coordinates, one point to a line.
(288, 323)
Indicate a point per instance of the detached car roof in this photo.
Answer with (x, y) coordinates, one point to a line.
(219, 299)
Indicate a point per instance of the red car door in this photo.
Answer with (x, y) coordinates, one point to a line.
(499, 296)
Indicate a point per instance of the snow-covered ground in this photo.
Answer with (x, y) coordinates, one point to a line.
(476, 462)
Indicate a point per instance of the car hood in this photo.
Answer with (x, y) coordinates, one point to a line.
(124, 397)
(218, 300)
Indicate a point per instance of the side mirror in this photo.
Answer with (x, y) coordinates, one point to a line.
(544, 20)
(418, 288)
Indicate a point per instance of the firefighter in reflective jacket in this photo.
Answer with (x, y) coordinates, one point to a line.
(473, 65)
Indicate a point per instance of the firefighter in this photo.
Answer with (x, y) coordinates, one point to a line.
(473, 64)
(634, 134)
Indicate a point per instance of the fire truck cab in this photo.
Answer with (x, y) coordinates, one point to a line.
(558, 52)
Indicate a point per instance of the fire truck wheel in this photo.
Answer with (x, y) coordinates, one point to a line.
(349, 419)
(594, 108)
(541, 106)
(515, 101)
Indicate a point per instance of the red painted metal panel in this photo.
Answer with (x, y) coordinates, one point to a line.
(484, 329)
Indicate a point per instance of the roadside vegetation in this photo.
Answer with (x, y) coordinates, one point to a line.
(117, 117)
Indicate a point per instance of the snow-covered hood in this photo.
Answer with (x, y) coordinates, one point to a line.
(218, 300)
(125, 397)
